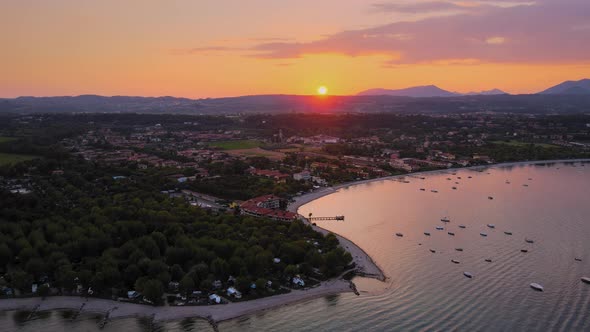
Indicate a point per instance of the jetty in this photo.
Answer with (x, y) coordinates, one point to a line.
(337, 218)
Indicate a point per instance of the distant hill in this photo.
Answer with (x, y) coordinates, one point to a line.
(492, 92)
(581, 87)
(416, 91)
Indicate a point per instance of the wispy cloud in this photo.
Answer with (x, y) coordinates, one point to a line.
(500, 31)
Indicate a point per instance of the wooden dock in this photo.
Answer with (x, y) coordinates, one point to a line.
(337, 218)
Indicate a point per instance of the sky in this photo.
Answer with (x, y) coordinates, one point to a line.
(215, 48)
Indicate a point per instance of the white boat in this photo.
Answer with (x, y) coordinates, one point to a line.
(586, 280)
(468, 275)
(491, 226)
(536, 286)
(440, 228)
(483, 234)
(455, 261)
(445, 219)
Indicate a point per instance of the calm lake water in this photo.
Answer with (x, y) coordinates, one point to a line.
(426, 291)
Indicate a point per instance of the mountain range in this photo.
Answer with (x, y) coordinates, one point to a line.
(425, 91)
(581, 87)
(568, 96)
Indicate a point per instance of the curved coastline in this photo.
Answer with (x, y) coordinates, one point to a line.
(219, 313)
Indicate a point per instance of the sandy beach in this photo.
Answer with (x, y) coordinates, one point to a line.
(217, 313)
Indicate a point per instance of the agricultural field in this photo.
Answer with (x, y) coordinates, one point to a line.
(11, 158)
(258, 152)
(236, 145)
(521, 144)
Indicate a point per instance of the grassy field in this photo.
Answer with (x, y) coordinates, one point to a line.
(10, 158)
(236, 145)
(518, 143)
(4, 139)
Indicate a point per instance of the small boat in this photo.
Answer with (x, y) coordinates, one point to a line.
(468, 275)
(432, 251)
(462, 226)
(469, 177)
(399, 234)
(454, 188)
(507, 182)
(483, 234)
(448, 178)
(530, 179)
(434, 191)
(507, 232)
(422, 178)
(459, 249)
(427, 233)
(529, 241)
(455, 261)
(490, 197)
(586, 280)
(440, 228)
(488, 260)
(578, 259)
(524, 250)
(491, 226)
(451, 233)
(456, 182)
(422, 189)
(525, 185)
(445, 219)
(537, 287)
(458, 177)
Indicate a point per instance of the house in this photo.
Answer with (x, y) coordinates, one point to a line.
(214, 298)
(305, 176)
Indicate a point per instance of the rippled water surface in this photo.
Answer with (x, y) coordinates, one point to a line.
(425, 291)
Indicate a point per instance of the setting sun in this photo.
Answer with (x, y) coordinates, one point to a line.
(322, 90)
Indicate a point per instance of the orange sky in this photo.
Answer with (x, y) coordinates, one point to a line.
(210, 48)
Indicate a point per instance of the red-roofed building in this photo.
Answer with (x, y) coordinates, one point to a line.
(268, 206)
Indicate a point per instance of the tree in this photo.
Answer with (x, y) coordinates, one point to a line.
(187, 284)
(153, 291)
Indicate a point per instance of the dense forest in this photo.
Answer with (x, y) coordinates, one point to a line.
(85, 229)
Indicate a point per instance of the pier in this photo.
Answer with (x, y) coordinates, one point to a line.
(337, 218)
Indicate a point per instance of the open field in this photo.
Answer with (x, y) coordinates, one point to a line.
(4, 139)
(236, 145)
(521, 144)
(258, 152)
(10, 158)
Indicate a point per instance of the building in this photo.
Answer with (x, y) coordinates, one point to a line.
(268, 206)
(305, 176)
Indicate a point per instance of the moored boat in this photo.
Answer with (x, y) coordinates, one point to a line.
(483, 234)
(440, 228)
(507, 232)
(578, 259)
(432, 251)
(529, 241)
(488, 260)
(491, 226)
(455, 261)
(451, 233)
(445, 219)
(399, 234)
(586, 280)
(422, 189)
(427, 233)
(459, 249)
(462, 226)
(490, 197)
(468, 275)
(537, 287)
(524, 250)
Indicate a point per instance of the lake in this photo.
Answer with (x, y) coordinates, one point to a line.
(547, 203)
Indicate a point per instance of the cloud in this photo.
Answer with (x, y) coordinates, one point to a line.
(544, 31)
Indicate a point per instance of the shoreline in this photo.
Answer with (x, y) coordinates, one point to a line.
(219, 313)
